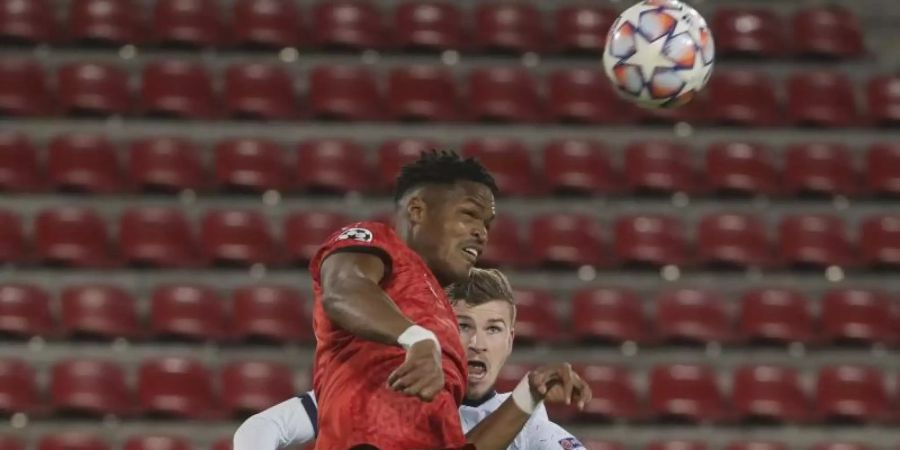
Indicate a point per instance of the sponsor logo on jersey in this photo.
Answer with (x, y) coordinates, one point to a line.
(570, 443)
(356, 234)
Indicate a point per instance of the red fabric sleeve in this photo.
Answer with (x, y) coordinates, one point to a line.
(362, 237)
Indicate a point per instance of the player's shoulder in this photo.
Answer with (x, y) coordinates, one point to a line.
(363, 232)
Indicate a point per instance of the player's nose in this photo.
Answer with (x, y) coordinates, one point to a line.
(479, 232)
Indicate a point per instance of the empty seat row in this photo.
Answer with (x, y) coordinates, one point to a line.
(79, 440)
(92, 163)
(412, 25)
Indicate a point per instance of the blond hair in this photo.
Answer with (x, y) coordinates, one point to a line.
(482, 286)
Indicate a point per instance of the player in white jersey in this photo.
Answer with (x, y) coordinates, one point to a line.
(486, 313)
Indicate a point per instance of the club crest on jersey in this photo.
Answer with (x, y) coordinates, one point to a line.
(356, 234)
(570, 443)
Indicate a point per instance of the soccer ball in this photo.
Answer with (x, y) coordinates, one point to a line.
(659, 53)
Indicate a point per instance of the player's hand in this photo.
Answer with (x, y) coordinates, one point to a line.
(421, 374)
(558, 383)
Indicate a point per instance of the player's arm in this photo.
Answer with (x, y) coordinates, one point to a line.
(293, 421)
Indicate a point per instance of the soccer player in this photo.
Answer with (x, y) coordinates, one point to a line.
(486, 312)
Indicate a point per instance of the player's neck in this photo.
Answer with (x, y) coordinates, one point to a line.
(476, 402)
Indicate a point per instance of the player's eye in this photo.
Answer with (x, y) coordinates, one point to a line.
(464, 327)
(494, 330)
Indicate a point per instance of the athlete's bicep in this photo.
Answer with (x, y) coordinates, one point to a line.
(346, 264)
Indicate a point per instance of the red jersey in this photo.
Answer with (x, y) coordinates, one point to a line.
(350, 374)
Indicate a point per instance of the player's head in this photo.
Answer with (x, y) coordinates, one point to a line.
(445, 207)
(486, 311)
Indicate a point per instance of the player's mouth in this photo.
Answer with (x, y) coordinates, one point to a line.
(477, 370)
(472, 252)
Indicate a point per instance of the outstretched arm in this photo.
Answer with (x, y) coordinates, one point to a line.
(292, 421)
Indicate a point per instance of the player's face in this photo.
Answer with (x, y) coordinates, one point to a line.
(487, 333)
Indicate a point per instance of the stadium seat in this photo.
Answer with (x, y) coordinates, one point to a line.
(536, 320)
(27, 22)
(92, 387)
(692, 316)
(19, 167)
(743, 98)
(191, 312)
(744, 168)
(23, 87)
(157, 237)
(166, 164)
(579, 166)
(733, 240)
(72, 236)
(508, 161)
(332, 166)
(12, 238)
(857, 315)
(808, 107)
(176, 387)
(883, 100)
(156, 442)
(582, 28)
(659, 167)
(585, 96)
(614, 395)
(427, 25)
(18, 387)
(503, 94)
(510, 375)
(344, 93)
(883, 169)
(820, 168)
(270, 313)
(755, 32)
(756, 445)
(259, 91)
(505, 246)
(180, 89)
(508, 27)
(237, 237)
(649, 240)
(828, 31)
(24, 311)
(595, 444)
(567, 240)
(106, 22)
(306, 231)
(775, 315)
(84, 163)
(393, 154)
(252, 386)
(852, 393)
(676, 445)
(815, 240)
(769, 393)
(879, 241)
(608, 314)
(72, 440)
(10, 443)
(347, 24)
(98, 311)
(251, 165)
(267, 23)
(93, 89)
(222, 444)
(190, 23)
(422, 93)
(684, 392)
(840, 446)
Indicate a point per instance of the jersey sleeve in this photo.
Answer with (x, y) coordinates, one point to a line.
(542, 434)
(293, 421)
(363, 237)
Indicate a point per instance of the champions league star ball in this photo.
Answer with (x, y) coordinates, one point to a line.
(659, 53)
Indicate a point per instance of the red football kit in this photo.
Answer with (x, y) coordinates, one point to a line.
(350, 374)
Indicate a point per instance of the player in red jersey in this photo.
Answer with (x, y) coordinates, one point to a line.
(390, 371)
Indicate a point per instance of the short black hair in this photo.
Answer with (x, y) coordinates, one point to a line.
(441, 167)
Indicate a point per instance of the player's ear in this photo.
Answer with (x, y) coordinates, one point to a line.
(416, 209)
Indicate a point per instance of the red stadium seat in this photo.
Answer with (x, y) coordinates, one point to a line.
(108, 22)
(685, 392)
(510, 375)
(423, 93)
(190, 312)
(27, 22)
(259, 91)
(18, 389)
(157, 237)
(579, 166)
(735, 167)
(168, 164)
(676, 445)
(72, 236)
(84, 163)
(757, 32)
(883, 169)
(332, 166)
(614, 396)
(840, 446)
(12, 238)
(880, 241)
(733, 240)
(769, 393)
(820, 168)
(23, 88)
(775, 315)
(156, 442)
(72, 440)
(808, 107)
(536, 320)
(852, 393)
(19, 167)
(692, 316)
(659, 166)
(815, 240)
(505, 246)
(271, 313)
(608, 315)
(828, 31)
(89, 386)
(582, 28)
(251, 165)
(503, 94)
(24, 311)
(648, 239)
(98, 311)
(594, 444)
(344, 93)
(306, 231)
(396, 153)
(567, 240)
(508, 161)
(267, 23)
(92, 89)
(883, 99)
(857, 315)
(347, 24)
(176, 387)
(428, 25)
(10, 443)
(585, 96)
(222, 444)
(756, 445)
(178, 89)
(252, 386)
(508, 27)
(192, 23)
(237, 237)
(743, 98)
